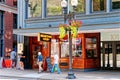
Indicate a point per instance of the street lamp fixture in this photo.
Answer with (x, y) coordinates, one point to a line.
(69, 16)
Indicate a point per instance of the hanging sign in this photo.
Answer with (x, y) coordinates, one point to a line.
(44, 37)
(20, 48)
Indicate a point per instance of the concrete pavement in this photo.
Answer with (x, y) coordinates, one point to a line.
(80, 75)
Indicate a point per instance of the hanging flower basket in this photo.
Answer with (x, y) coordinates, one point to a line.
(63, 30)
(75, 23)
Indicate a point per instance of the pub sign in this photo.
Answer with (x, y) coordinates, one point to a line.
(44, 37)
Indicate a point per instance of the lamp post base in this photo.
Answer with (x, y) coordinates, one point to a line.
(108, 65)
(71, 75)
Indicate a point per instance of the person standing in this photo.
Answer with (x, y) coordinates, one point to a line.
(13, 57)
(40, 61)
(22, 58)
(55, 65)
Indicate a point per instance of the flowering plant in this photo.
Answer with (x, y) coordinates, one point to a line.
(74, 25)
(63, 30)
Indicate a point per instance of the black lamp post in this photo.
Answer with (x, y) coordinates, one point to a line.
(69, 15)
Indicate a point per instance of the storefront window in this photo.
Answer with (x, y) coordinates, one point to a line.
(115, 4)
(99, 5)
(65, 48)
(35, 8)
(54, 47)
(76, 48)
(91, 47)
(54, 7)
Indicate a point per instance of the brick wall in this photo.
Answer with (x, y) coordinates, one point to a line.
(8, 29)
(9, 2)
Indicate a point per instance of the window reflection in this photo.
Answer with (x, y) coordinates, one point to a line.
(91, 47)
(99, 5)
(54, 47)
(118, 48)
(115, 4)
(65, 48)
(54, 7)
(76, 48)
(81, 6)
(35, 8)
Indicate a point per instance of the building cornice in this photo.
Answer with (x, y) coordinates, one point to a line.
(88, 20)
(78, 17)
(4, 7)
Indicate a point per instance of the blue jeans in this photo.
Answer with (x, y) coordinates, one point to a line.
(56, 66)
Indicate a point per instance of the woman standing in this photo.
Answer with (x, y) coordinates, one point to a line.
(56, 64)
(40, 61)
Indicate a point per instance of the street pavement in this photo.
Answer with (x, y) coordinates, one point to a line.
(13, 74)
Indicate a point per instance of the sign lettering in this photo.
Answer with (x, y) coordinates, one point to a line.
(44, 37)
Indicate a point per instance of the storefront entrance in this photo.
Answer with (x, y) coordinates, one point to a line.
(110, 55)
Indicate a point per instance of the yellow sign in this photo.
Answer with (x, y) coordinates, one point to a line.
(44, 37)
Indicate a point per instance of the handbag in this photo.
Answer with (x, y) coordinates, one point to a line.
(55, 68)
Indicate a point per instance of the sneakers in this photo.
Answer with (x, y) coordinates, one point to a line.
(40, 71)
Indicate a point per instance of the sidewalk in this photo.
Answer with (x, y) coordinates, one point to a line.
(80, 75)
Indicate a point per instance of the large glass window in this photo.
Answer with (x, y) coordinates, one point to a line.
(99, 5)
(118, 54)
(35, 8)
(54, 47)
(81, 6)
(115, 4)
(54, 7)
(65, 49)
(76, 48)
